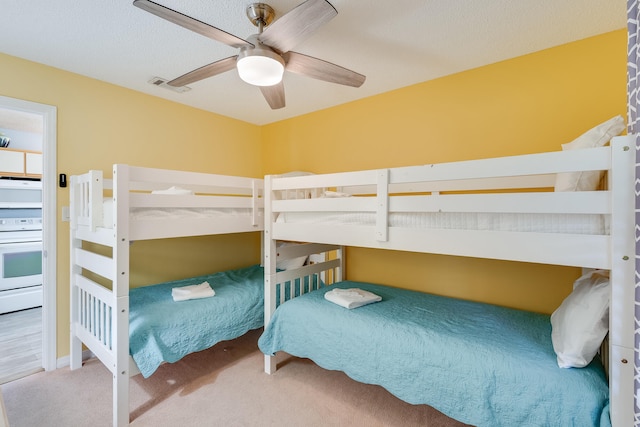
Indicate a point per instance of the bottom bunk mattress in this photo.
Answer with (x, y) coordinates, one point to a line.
(481, 364)
(164, 330)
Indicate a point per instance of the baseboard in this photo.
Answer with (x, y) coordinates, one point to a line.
(88, 354)
(65, 361)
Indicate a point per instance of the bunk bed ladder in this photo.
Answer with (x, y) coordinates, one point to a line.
(292, 283)
(91, 304)
(99, 315)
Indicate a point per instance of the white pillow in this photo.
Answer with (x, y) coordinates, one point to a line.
(581, 322)
(596, 137)
(288, 264)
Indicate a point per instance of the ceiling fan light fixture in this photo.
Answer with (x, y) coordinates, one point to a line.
(260, 67)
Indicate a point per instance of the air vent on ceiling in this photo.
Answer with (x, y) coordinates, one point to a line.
(160, 82)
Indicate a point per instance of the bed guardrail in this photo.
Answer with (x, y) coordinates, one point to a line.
(86, 194)
(236, 202)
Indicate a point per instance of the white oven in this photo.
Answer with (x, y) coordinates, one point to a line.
(20, 265)
(20, 245)
(21, 274)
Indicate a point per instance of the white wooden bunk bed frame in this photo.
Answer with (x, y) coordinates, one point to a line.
(99, 314)
(418, 189)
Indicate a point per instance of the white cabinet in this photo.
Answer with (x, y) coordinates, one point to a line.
(12, 162)
(20, 163)
(33, 163)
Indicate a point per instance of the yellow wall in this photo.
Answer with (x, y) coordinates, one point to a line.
(101, 124)
(528, 104)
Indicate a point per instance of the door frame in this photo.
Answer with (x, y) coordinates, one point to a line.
(49, 223)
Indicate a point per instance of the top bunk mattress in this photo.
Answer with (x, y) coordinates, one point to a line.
(171, 213)
(483, 221)
(481, 364)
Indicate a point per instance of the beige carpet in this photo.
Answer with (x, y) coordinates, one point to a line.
(222, 386)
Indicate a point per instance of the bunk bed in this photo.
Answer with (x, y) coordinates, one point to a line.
(126, 329)
(508, 208)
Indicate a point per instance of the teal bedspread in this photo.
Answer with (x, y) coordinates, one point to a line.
(162, 330)
(480, 364)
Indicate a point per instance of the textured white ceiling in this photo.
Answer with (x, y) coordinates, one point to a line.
(395, 44)
(21, 121)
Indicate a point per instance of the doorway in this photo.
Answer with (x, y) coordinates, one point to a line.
(20, 112)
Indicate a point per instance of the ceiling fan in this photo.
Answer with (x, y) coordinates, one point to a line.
(263, 57)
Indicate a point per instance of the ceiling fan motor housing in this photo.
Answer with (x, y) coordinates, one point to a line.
(260, 14)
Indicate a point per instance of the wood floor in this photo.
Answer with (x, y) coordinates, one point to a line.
(20, 344)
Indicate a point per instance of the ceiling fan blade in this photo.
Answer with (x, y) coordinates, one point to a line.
(191, 23)
(297, 24)
(210, 70)
(321, 70)
(274, 95)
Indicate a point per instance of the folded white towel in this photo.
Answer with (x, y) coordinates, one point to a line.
(334, 194)
(175, 191)
(183, 293)
(351, 298)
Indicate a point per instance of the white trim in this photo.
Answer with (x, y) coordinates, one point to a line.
(63, 362)
(49, 144)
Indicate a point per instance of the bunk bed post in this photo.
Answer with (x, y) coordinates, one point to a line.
(382, 203)
(340, 275)
(255, 207)
(270, 256)
(75, 355)
(95, 197)
(120, 328)
(255, 196)
(621, 327)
